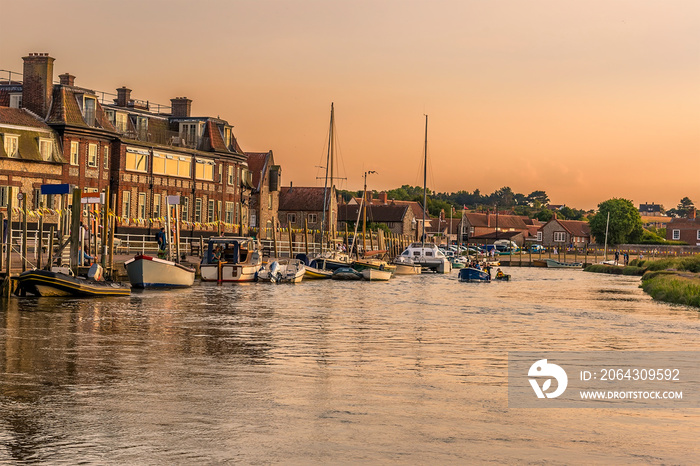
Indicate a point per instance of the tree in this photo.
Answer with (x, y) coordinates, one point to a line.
(625, 222)
(684, 207)
(538, 196)
(544, 215)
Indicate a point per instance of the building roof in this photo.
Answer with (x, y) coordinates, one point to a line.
(21, 117)
(574, 227)
(66, 110)
(497, 235)
(490, 220)
(214, 139)
(257, 163)
(380, 213)
(299, 198)
(682, 222)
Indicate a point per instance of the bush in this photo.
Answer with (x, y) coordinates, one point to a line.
(602, 268)
(673, 288)
(631, 270)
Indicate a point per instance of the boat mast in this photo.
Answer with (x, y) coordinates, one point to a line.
(425, 179)
(364, 218)
(329, 159)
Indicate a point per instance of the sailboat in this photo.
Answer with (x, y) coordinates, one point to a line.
(152, 272)
(331, 258)
(427, 255)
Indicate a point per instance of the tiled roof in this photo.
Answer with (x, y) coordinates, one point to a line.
(213, 135)
(256, 165)
(575, 227)
(504, 221)
(20, 117)
(498, 235)
(375, 212)
(64, 108)
(302, 198)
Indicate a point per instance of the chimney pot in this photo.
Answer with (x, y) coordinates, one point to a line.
(181, 107)
(123, 96)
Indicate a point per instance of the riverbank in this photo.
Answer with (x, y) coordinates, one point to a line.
(670, 280)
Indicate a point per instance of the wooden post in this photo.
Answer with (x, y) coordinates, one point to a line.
(381, 244)
(49, 251)
(347, 238)
(306, 236)
(371, 240)
(75, 230)
(24, 232)
(104, 210)
(113, 223)
(274, 235)
(291, 243)
(40, 252)
(2, 237)
(8, 252)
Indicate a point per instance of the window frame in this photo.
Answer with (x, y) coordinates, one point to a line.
(46, 143)
(126, 204)
(559, 237)
(675, 234)
(105, 157)
(11, 137)
(141, 206)
(75, 153)
(313, 218)
(133, 165)
(93, 151)
(291, 219)
(198, 210)
(211, 210)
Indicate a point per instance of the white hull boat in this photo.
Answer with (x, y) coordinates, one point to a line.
(151, 272)
(238, 260)
(282, 271)
(406, 266)
(376, 275)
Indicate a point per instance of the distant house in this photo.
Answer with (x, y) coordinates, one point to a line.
(264, 200)
(480, 227)
(564, 233)
(652, 209)
(684, 229)
(399, 218)
(300, 206)
(416, 208)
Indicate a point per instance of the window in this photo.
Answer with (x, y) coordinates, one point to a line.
(189, 133)
(291, 218)
(74, 153)
(92, 155)
(126, 204)
(5, 193)
(698, 236)
(253, 220)
(156, 205)
(36, 200)
(204, 170)
(229, 212)
(269, 201)
(89, 105)
(559, 236)
(212, 211)
(539, 236)
(221, 173)
(11, 145)
(186, 209)
(136, 159)
(312, 218)
(121, 122)
(142, 128)
(45, 149)
(15, 100)
(170, 164)
(231, 175)
(141, 211)
(227, 136)
(198, 210)
(105, 158)
(676, 234)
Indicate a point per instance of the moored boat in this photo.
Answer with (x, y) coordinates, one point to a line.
(470, 274)
(150, 272)
(282, 271)
(346, 273)
(429, 256)
(375, 274)
(372, 263)
(405, 266)
(59, 283)
(230, 259)
(554, 264)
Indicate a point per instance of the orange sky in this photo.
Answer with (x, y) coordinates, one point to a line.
(585, 99)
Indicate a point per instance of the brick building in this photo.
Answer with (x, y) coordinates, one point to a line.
(142, 152)
(563, 233)
(298, 204)
(684, 229)
(399, 218)
(264, 201)
(484, 227)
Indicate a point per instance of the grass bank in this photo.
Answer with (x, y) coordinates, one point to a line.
(670, 280)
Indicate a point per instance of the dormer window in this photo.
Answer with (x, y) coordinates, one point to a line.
(89, 106)
(45, 149)
(190, 134)
(11, 144)
(227, 136)
(15, 100)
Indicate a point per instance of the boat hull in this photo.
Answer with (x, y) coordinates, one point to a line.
(376, 275)
(375, 264)
(227, 272)
(469, 274)
(554, 264)
(346, 273)
(47, 283)
(282, 272)
(149, 272)
(317, 274)
(404, 269)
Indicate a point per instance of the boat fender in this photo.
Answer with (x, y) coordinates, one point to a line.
(95, 272)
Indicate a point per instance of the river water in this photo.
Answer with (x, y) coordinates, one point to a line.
(410, 371)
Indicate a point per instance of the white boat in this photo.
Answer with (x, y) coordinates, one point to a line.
(239, 261)
(429, 256)
(406, 266)
(281, 271)
(375, 274)
(554, 264)
(150, 272)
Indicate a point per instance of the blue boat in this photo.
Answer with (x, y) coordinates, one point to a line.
(470, 274)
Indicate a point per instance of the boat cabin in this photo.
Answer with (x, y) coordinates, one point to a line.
(236, 250)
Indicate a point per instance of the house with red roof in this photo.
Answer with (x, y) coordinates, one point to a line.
(684, 229)
(264, 200)
(564, 233)
(491, 226)
(301, 207)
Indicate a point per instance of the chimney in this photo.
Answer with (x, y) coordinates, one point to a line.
(442, 215)
(37, 86)
(181, 107)
(67, 79)
(290, 186)
(555, 215)
(383, 198)
(123, 97)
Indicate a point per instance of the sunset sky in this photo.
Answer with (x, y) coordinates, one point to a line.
(586, 100)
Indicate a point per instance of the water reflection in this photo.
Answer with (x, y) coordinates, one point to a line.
(412, 370)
